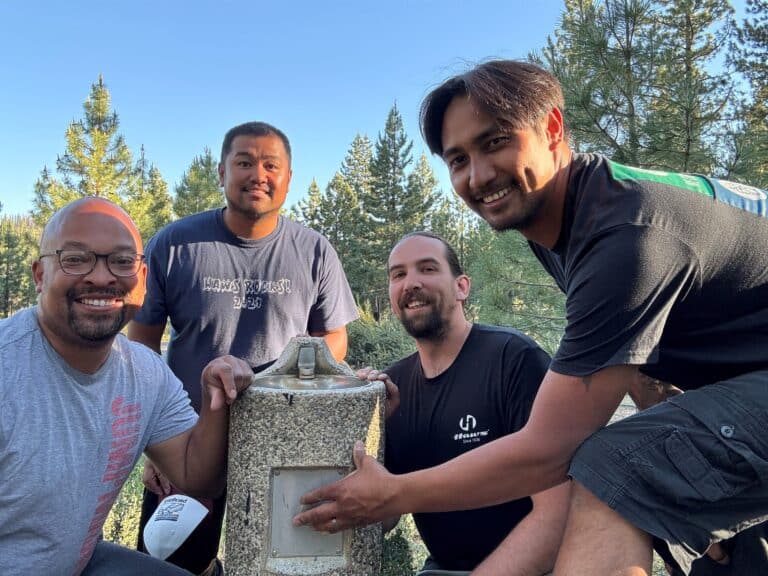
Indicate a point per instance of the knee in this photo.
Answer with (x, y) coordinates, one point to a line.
(582, 499)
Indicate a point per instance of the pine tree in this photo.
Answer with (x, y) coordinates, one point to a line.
(308, 210)
(458, 225)
(751, 57)
(421, 195)
(17, 250)
(749, 147)
(50, 195)
(686, 115)
(384, 205)
(341, 219)
(364, 277)
(389, 166)
(356, 166)
(96, 161)
(199, 187)
(638, 82)
(148, 201)
(511, 288)
(605, 54)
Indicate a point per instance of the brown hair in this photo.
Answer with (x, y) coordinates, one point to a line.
(450, 253)
(517, 94)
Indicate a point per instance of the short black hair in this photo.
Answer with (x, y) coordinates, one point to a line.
(516, 94)
(253, 129)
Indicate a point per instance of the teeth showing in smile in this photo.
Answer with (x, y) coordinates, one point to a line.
(495, 196)
(415, 304)
(98, 303)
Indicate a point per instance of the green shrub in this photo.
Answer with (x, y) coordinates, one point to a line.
(377, 343)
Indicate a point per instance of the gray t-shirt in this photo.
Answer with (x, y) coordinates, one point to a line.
(69, 440)
(248, 298)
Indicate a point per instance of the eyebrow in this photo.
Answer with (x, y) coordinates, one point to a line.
(75, 245)
(261, 156)
(429, 260)
(484, 135)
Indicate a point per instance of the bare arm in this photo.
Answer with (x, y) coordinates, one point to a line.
(195, 461)
(336, 340)
(566, 411)
(531, 548)
(148, 334)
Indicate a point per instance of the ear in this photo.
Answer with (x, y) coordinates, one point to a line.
(555, 128)
(221, 174)
(290, 175)
(37, 275)
(142, 275)
(463, 285)
(141, 287)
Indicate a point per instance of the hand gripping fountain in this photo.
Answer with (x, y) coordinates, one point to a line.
(291, 431)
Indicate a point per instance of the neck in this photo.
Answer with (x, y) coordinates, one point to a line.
(244, 226)
(546, 230)
(437, 356)
(83, 357)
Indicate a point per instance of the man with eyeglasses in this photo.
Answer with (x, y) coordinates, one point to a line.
(79, 403)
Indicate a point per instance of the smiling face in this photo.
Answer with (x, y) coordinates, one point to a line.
(255, 175)
(504, 175)
(423, 291)
(87, 311)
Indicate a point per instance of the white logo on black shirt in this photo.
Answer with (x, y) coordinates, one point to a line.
(469, 434)
(467, 423)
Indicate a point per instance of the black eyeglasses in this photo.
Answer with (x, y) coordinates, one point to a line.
(82, 262)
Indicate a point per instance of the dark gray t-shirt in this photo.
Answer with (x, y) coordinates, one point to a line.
(248, 298)
(69, 440)
(662, 270)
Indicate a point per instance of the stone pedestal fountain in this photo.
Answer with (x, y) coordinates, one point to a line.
(293, 430)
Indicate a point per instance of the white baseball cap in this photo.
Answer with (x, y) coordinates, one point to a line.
(172, 522)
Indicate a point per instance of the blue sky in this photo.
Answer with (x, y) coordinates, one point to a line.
(182, 73)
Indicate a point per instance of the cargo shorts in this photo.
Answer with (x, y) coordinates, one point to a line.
(690, 471)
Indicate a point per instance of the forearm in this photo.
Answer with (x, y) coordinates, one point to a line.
(149, 335)
(506, 469)
(196, 460)
(336, 341)
(205, 455)
(531, 547)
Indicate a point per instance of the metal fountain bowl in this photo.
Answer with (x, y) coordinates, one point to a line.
(307, 364)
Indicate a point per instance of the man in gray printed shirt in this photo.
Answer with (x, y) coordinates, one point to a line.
(79, 403)
(238, 280)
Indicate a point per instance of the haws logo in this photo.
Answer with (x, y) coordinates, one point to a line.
(469, 433)
(467, 423)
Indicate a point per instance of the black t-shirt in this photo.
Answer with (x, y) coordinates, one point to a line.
(665, 271)
(486, 393)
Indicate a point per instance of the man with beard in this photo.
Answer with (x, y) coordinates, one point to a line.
(663, 273)
(466, 386)
(79, 403)
(239, 280)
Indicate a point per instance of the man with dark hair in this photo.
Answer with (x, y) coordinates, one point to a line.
(79, 403)
(242, 280)
(466, 386)
(649, 287)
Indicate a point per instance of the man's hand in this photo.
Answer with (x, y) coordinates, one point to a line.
(224, 378)
(359, 499)
(393, 392)
(154, 480)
